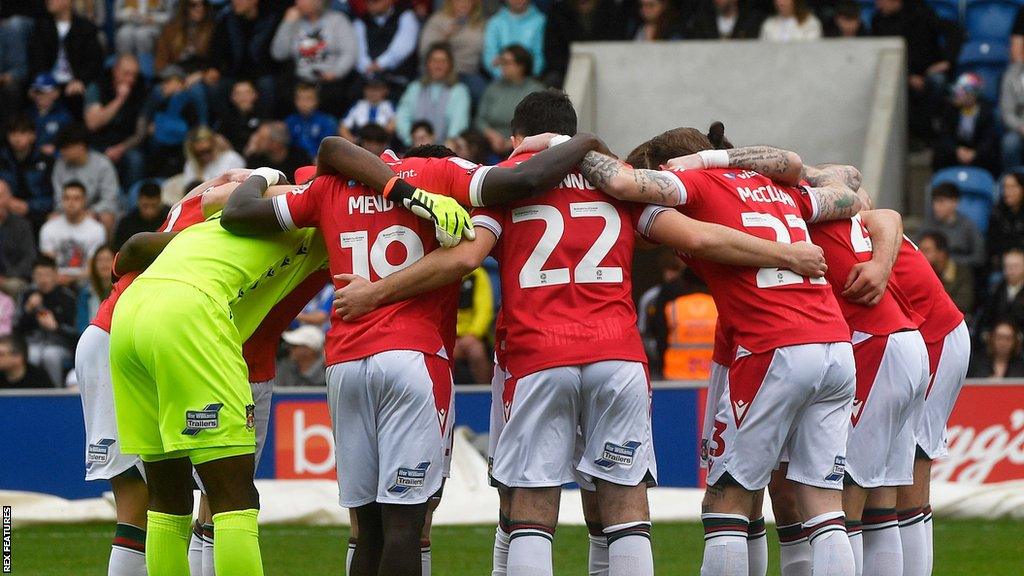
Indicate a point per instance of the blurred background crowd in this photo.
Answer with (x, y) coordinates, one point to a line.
(112, 109)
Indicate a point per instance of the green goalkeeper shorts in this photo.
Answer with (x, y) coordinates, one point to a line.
(181, 387)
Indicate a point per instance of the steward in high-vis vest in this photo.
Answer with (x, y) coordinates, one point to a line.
(690, 320)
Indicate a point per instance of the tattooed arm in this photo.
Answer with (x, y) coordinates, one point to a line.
(782, 166)
(620, 181)
(832, 193)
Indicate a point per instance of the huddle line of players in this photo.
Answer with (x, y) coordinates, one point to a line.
(571, 396)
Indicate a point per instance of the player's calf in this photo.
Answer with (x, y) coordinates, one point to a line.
(402, 526)
(234, 503)
(370, 543)
(169, 520)
(128, 551)
(831, 552)
(597, 556)
(794, 549)
(726, 522)
(533, 515)
(627, 527)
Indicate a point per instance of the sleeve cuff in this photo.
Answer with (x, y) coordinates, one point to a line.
(679, 183)
(487, 222)
(651, 211)
(283, 212)
(476, 186)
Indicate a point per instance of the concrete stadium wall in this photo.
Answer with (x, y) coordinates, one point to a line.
(832, 101)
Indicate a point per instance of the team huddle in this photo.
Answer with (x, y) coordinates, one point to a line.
(836, 363)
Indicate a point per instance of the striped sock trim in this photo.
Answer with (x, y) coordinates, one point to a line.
(504, 523)
(879, 519)
(521, 529)
(790, 534)
(599, 541)
(756, 529)
(129, 537)
(927, 511)
(197, 529)
(718, 525)
(854, 527)
(424, 546)
(207, 532)
(824, 524)
(910, 516)
(619, 531)
(595, 529)
(352, 542)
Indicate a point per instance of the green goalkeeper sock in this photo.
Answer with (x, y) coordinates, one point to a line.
(167, 538)
(236, 544)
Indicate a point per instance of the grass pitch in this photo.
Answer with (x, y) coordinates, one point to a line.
(962, 547)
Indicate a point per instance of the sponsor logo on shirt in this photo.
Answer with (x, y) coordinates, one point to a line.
(617, 454)
(198, 420)
(409, 478)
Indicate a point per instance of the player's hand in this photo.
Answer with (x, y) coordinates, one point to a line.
(866, 283)
(534, 143)
(356, 298)
(451, 221)
(688, 162)
(238, 174)
(806, 259)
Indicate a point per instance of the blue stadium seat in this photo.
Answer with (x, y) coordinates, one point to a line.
(977, 209)
(946, 9)
(987, 59)
(976, 192)
(990, 19)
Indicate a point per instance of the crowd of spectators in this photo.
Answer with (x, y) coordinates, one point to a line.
(113, 108)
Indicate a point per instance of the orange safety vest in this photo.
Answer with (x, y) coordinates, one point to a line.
(691, 337)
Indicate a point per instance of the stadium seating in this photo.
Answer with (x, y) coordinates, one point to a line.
(977, 192)
(990, 19)
(946, 9)
(987, 59)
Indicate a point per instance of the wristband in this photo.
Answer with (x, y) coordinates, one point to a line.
(269, 174)
(560, 139)
(389, 185)
(400, 191)
(714, 158)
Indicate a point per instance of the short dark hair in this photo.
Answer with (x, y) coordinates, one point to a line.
(848, 9)
(20, 123)
(422, 124)
(374, 133)
(72, 134)
(545, 111)
(521, 56)
(70, 184)
(946, 190)
(45, 261)
(306, 87)
(16, 343)
(151, 190)
(937, 238)
(430, 151)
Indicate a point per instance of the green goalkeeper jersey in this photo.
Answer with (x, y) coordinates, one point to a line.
(249, 274)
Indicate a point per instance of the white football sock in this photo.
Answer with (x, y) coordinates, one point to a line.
(348, 555)
(208, 567)
(757, 548)
(629, 549)
(195, 552)
(529, 552)
(883, 550)
(914, 537)
(856, 535)
(597, 560)
(128, 552)
(725, 545)
(499, 566)
(929, 542)
(425, 559)
(831, 553)
(794, 550)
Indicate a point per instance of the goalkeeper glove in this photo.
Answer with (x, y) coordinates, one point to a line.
(451, 221)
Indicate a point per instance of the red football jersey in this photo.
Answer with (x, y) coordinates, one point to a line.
(372, 237)
(724, 352)
(917, 281)
(260, 350)
(566, 258)
(183, 215)
(847, 243)
(764, 308)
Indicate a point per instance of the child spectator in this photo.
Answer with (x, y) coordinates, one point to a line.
(240, 120)
(518, 22)
(27, 171)
(94, 171)
(15, 371)
(72, 237)
(148, 214)
(374, 138)
(139, 23)
(48, 112)
(48, 320)
(422, 134)
(374, 108)
(308, 126)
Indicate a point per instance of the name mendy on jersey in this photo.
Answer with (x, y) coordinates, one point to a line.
(369, 204)
(767, 193)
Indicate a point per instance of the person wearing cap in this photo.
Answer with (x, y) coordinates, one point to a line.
(966, 246)
(48, 112)
(968, 135)
(304, 365)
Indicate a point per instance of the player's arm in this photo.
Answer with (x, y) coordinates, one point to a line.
(140, 251)
(782, 166)
(541, 172)
(619, 180)
(233, 175)
(247, 212)
(834, 190)
(728, 246)
(436, 269)
(868, 280)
